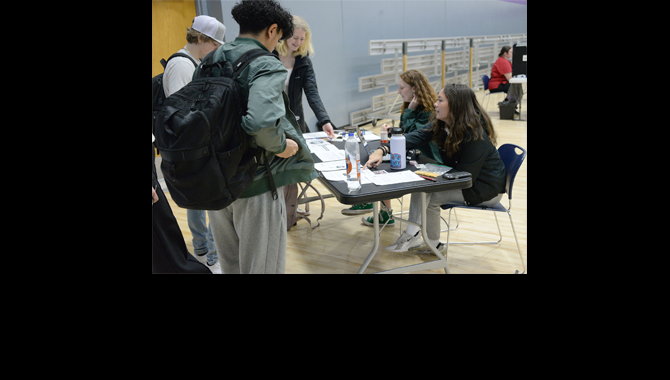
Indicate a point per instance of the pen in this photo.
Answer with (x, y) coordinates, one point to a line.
(428, 178)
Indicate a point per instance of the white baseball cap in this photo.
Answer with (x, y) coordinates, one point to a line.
(210, 27)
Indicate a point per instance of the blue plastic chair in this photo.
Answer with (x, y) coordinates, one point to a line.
(485, 80)
(512, 162)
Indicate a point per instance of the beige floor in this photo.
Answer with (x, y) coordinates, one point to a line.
(341, 243)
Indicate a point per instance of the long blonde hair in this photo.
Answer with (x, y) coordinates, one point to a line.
(306, 47)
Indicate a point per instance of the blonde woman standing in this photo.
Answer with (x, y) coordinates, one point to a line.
(294, 54)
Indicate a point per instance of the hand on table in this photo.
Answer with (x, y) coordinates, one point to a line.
(328, 128)
(375, 159)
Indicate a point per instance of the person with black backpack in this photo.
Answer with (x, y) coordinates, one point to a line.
(250, 233)
(204, 36)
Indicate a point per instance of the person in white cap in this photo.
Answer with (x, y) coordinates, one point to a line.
(205, 35)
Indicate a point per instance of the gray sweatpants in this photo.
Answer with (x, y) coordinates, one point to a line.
(250, 234)
(434, 200)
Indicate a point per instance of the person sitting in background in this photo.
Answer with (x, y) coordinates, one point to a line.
(418, 97)
(501, 73)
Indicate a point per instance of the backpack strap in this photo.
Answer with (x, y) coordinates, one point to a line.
(238, 66)
(208, 68)
(164, 62)
(272, 181)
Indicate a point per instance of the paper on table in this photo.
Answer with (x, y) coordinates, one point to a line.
(392, 178)
(311, 142)
(368, 176)
(369, 136)
(335, 175)
(327, 152)
(315, 135)
(330, 166)
(341, 175)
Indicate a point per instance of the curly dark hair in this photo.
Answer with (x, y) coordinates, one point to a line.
(254, 16)
(466, 117)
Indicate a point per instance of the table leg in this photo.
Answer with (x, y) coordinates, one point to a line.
(437, 264)
(424, 233)
(373, 252)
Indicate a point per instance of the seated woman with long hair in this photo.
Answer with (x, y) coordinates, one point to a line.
(418, 99)
(467, 141)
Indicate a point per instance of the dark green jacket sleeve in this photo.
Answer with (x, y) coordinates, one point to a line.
(412, 120)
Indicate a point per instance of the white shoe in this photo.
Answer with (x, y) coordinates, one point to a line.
(405, 242)
(423, 248)
(201, 258)
(216, 268)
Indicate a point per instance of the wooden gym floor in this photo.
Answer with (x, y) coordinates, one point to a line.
(341, 243)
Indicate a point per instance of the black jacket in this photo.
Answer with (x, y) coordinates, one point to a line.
(478, 157)
(303, 78)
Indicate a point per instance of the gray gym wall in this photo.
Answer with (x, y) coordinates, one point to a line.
(341, 30)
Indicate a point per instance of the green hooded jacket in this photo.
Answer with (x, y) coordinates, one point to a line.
(268, 120)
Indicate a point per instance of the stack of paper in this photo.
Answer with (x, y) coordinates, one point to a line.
(369, 136)
(315, 135)
(330, 166)
(327, 152)
(393, 178)
(368, 176)
(334, 167)
(341, 175)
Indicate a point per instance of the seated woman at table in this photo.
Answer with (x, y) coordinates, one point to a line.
(418, 97)
(501, 73)
(463, 131)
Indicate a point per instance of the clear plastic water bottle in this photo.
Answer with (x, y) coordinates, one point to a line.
(398, 152)
(353, 159)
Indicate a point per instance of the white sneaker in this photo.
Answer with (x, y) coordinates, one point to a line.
(201, 258)
(423, 248)
(216, 268)
(405, 242)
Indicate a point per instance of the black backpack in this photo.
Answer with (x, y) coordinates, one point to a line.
(157, 91)
(207, 161)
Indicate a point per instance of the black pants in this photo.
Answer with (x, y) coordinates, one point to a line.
(501, 88)
(168, 251)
